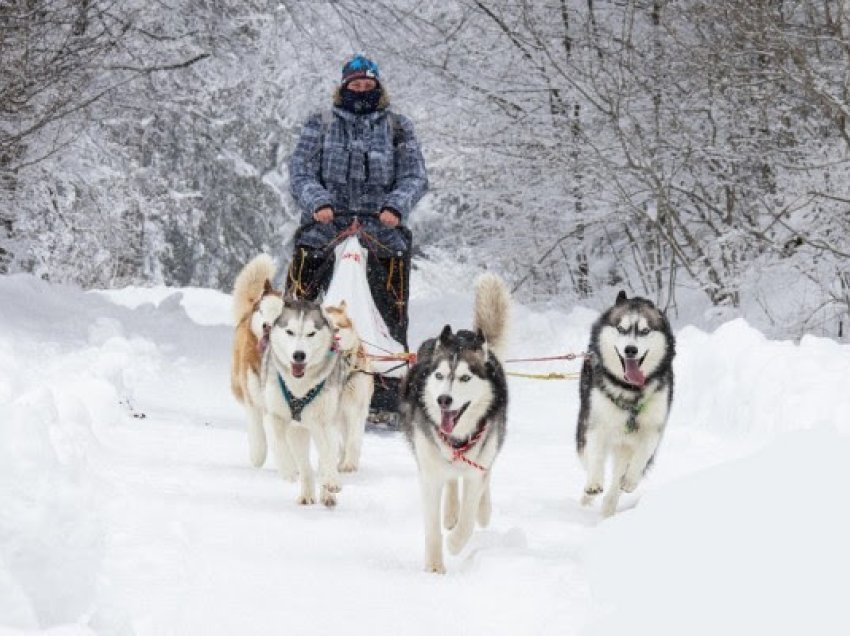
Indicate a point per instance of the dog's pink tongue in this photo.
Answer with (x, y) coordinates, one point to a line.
(634, 375)
(448, 421)
(298, 369)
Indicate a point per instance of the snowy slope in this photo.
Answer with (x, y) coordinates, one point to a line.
(128, 506)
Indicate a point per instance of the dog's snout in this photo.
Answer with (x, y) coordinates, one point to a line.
(299, 356)
(445, 401)
(631, 351)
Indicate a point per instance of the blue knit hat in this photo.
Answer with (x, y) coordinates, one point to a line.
(360, 67)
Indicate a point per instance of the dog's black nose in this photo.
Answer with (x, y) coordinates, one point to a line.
(445, 401)
(299, 356)
(631, 351)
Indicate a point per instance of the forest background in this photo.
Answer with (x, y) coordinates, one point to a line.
(693, 152)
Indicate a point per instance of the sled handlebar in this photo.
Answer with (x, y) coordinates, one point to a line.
(368, 215)
(351, 217)
(356, 215)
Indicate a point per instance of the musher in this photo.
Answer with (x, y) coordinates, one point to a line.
(358, 159)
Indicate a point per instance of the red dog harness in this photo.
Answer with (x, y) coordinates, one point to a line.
(459, 449)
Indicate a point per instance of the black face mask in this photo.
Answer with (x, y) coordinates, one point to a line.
(360, 103)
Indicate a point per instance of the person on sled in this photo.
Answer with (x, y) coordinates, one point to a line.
(358, 159)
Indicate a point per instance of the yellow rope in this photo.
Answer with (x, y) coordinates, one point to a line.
(401, 282)
(546, 376)
(297, 284)
(397, 294)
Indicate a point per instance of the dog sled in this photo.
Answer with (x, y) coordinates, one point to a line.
(373, 280)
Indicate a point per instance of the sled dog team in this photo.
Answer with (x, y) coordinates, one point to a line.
(301, 372)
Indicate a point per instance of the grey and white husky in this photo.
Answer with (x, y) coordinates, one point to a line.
(454, 414)
(626, 391)
(302, 382)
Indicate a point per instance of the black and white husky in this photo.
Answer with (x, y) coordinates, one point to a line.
(303, 378)
(454, 411)
(626, 392)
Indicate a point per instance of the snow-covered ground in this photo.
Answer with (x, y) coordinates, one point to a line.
(128, 506)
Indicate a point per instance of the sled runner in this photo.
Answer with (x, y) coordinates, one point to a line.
(374, 281)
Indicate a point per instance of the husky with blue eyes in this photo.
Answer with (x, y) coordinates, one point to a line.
(454, 414)
(302, 381)
(626, 390)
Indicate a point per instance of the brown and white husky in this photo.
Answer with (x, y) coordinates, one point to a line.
(256, 306)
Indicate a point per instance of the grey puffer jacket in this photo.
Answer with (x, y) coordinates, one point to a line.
(357, 164)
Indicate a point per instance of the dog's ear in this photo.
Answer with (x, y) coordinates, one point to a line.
(621, 297)
(485, 346)
(446, 336)
(326, 316)
(480, 340)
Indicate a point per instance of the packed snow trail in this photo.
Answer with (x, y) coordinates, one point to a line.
(128, 505)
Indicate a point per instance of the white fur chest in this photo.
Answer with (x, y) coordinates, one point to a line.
(615, 420)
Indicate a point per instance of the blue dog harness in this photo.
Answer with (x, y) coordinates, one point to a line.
(297, 405)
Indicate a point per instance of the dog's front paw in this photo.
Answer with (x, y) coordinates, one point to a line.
(435, 567)
(305, 500)
(329, 479)
(328, 498)
(592, 489)
(348, 466)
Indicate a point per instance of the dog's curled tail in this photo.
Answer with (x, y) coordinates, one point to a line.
(492, 311)
(249, 284)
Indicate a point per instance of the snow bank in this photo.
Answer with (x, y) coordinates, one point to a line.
(736, 381)
(755, 546)
(50, 527)
(203, 306)
(57, 388)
